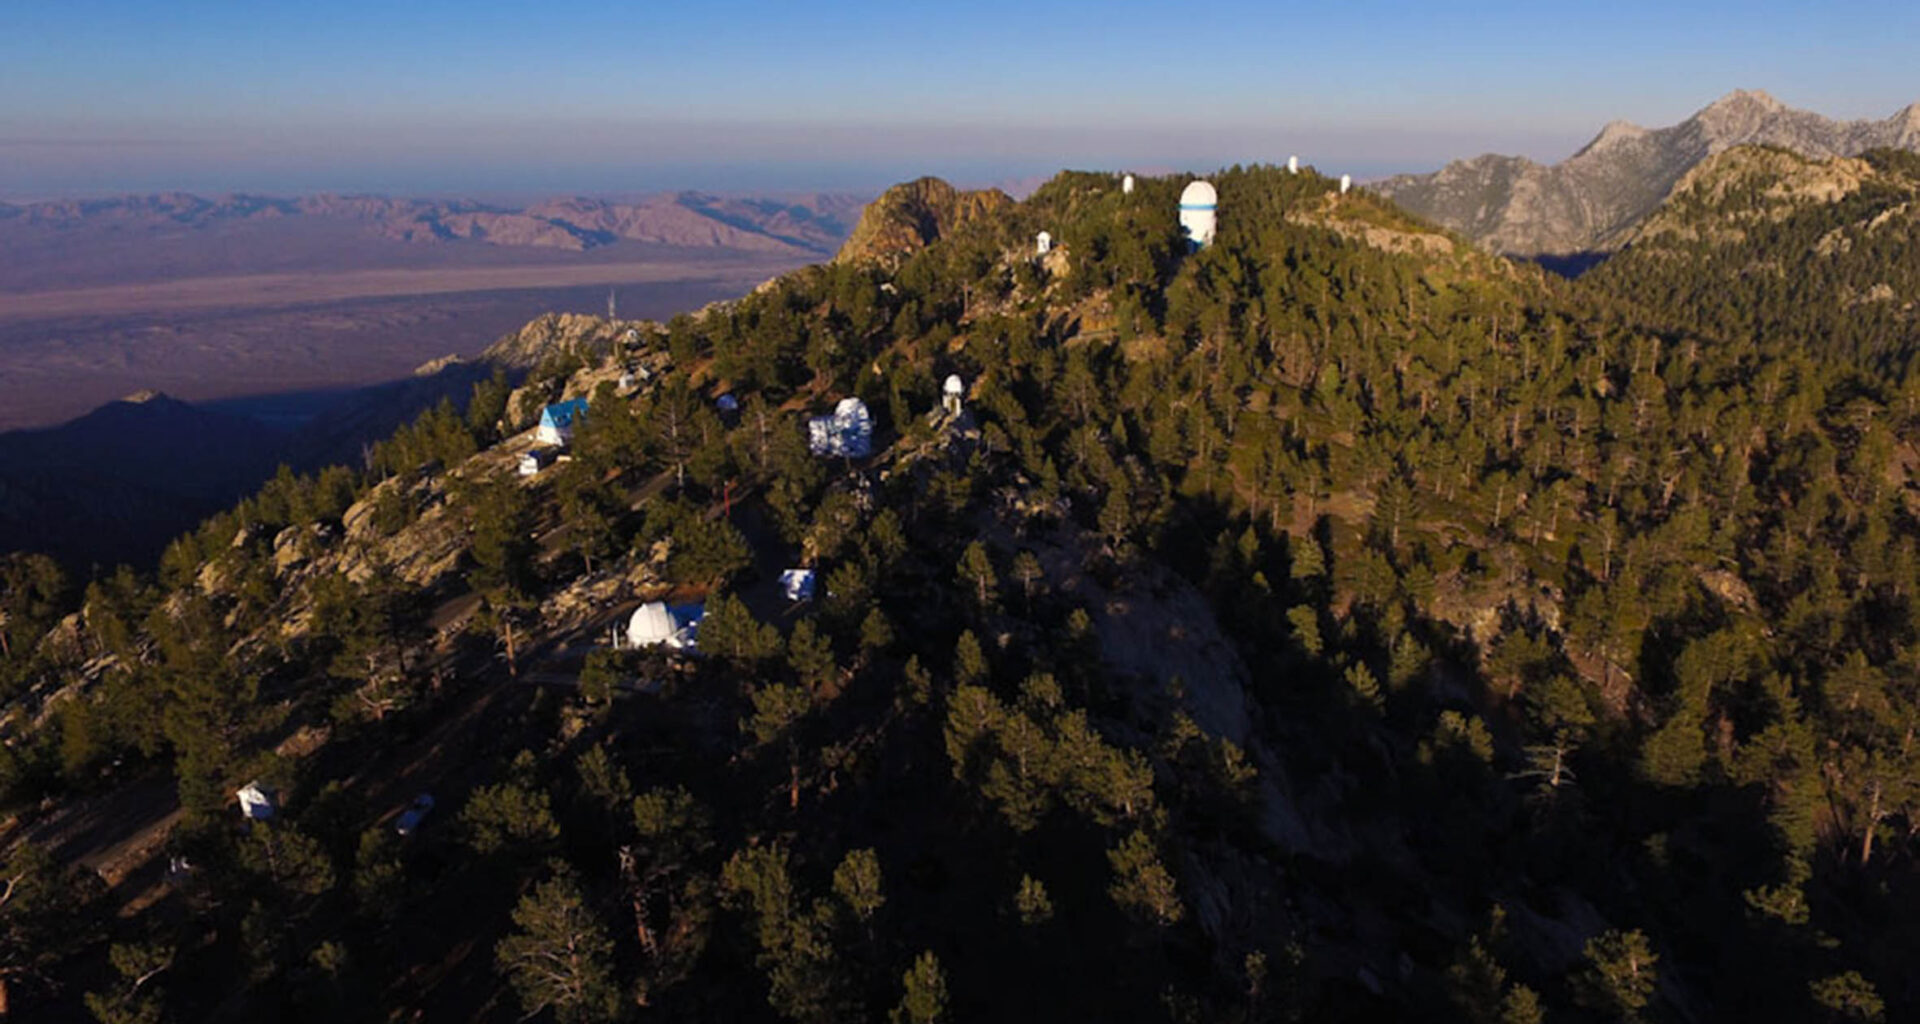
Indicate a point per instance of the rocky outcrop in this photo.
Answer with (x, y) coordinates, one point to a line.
(555, 332)
(1593, 200)
(909, 217)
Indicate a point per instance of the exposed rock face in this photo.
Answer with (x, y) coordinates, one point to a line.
(907, 218)
(554, 332)
(1592, 200)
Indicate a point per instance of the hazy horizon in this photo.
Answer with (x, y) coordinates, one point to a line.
(120, 96)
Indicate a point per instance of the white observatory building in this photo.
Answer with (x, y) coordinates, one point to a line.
(1346, 183)
(1293, 165)
(1126, 185)
(953, 393)
(1197, 204)
(1042, 243)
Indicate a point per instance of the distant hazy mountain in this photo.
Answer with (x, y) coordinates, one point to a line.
(1592, 200)
(813, 223)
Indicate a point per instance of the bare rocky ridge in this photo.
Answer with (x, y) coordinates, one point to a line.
(909, 217)
(1594, 199)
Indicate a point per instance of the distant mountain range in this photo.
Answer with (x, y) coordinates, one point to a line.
(1592, 201)
(813, 223)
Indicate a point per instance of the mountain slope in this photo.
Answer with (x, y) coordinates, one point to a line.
(1592, 200)
(1786, 251)
(1336, 623)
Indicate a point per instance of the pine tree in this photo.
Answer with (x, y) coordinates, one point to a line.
(976, 572)
(559, 957)
(1620, 974)
(925, 999)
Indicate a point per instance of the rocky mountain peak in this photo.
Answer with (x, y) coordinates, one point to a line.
(1909, 118)
(1593, 201)
(1744, 100)
(911, 216)
(1614, 134)
(1747, 115)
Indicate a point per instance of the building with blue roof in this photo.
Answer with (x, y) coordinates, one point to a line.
(557, 420)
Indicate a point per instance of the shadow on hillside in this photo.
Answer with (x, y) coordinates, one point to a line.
(116, 485)
(1570, 264)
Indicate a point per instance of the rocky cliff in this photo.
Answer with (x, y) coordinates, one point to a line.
(1593, 200)
(909, 217)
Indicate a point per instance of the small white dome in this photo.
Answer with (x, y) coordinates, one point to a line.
(954, 385)
(1199, 193)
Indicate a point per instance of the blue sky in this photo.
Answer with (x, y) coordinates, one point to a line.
(433, 97)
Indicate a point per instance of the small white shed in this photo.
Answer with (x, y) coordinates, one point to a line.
(257, 801)
(797, 584)
(532, 462)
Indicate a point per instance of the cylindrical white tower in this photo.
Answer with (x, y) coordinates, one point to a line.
(1346, 182)
(1042, 243)
(1197, 204)
(1126, 185)
(1293, 165)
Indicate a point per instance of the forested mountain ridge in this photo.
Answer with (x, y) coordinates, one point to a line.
(1782, 249)
(1335, 623)
(1591, 201)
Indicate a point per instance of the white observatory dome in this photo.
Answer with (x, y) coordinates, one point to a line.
(1197, 204)
(651, 626)
(1199, 193)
